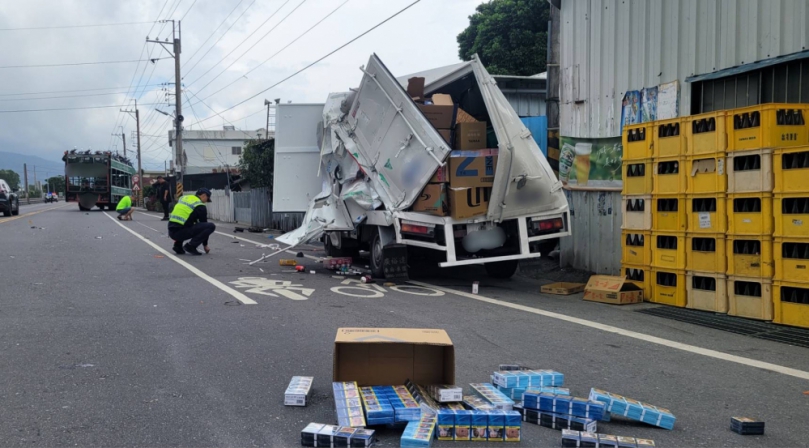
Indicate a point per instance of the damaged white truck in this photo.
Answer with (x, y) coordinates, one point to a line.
(378, 152)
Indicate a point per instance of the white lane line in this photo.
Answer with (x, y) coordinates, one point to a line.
(628, 333)
(311, 257)
(236, 294)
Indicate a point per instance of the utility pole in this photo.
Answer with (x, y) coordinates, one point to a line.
(140, 170)
(35, 177)
(178, 100)
(25, 174)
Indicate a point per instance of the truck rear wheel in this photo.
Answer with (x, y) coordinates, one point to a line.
(502, 269)
(377, 257)
(333, 251)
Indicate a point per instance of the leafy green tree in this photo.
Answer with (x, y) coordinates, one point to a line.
(509, 36)
(257, 162)
(56, 184)
(34, 192)
(11, 177)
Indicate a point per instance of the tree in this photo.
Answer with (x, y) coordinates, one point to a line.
(56, 184)
(11, 177)
(509, 36)
(34, 192)
(257, 162)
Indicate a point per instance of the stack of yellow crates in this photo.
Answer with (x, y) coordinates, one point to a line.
(755, 135)
(791, 234)
(716, 212)
(636, 201)
(706, 179)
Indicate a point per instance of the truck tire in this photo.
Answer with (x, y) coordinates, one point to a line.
(82, 208)
(16, 211)
(332, 251)
(377, 258)
(502, 269)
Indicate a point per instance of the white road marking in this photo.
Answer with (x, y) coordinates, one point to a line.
(235, 294)
(628, 333)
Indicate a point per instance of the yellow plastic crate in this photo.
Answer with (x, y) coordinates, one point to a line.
(706, 291)
(669, 138)
(668, 213)
(750, 297)
(706, 253)
(669, 176)
(706, 174)
(791, 304)
(791, 260)
(791, 167)
(707, 213)
(668, 287)
(750, 214)
(791, 215)
(637, 177)
(750, 256)
(636, 247)
(640, 276)
(668, 250)
(637, 141)
(750, 171)
(706, 133)
(767, 126)
(637, 212)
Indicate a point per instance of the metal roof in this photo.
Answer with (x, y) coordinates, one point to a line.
(744, 68)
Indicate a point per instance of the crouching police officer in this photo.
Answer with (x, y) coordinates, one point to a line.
(189, 221)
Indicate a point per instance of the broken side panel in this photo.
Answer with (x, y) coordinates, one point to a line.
(398, 148)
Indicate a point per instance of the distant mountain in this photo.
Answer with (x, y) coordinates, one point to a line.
(45, 168)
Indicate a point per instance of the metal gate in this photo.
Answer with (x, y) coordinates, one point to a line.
(241, 207)
(260, 207)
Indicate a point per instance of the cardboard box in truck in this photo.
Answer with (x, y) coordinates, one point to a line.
(433, 200)
(447, 135)
(441, 117)
(468, 202)
(472, 168)
(441, 175)
(374, 356)
(470, 135)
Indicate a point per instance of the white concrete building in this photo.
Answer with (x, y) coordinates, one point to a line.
(214, 151)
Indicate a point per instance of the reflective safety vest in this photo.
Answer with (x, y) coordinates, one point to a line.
(183, 209)
(125, 202)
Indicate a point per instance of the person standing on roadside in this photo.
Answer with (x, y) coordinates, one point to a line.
(164, 195)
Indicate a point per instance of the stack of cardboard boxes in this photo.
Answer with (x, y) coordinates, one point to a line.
(462, 187)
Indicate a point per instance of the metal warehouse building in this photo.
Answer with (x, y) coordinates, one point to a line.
(601, 49)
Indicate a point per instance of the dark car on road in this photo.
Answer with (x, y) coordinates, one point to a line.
(9, 201)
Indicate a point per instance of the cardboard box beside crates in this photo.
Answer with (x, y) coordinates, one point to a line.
(613, 290)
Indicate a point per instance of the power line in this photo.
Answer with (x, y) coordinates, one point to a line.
(206, 105)
(67, 91)
(216, 29)
(220, 38)
(72, 108)
(188, 10)
(248, 50)
(73, 64)
(279, 51)
(72, 26)
(317, 61)
(63, 96)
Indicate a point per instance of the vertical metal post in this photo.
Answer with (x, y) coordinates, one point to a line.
(27, 191)
(140, 170)
(178, 101)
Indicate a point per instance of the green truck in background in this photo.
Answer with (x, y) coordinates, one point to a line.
(97, 178)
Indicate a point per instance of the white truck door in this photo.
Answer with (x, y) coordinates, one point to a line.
(397, 145)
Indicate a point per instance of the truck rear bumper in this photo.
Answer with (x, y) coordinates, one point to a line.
(525, 247)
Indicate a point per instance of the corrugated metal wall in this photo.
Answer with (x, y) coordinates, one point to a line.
(595, 218)
(527, 104)
(611, 46)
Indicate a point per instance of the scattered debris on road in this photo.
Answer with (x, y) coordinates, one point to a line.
(746, 426)
(298, 391)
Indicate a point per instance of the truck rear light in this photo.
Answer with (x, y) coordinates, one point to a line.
(417, 229)
(549, 224)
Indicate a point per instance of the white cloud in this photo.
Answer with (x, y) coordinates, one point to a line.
(422, 37)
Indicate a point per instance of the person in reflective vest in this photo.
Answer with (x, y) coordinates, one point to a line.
(189, 221)
(124, 208)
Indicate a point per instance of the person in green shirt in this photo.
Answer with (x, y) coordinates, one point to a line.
(125, 209)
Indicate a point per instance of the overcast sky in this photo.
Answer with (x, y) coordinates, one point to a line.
(422, 37)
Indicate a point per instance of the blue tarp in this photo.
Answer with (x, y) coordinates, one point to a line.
(539, 129)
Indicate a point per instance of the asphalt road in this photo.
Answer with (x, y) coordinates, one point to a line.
(109, 340)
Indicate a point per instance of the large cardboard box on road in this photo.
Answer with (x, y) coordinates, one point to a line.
(472, 168)
(470, 135)
(614, 290)
(432, 200)
(469, 202)
(384, 356)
